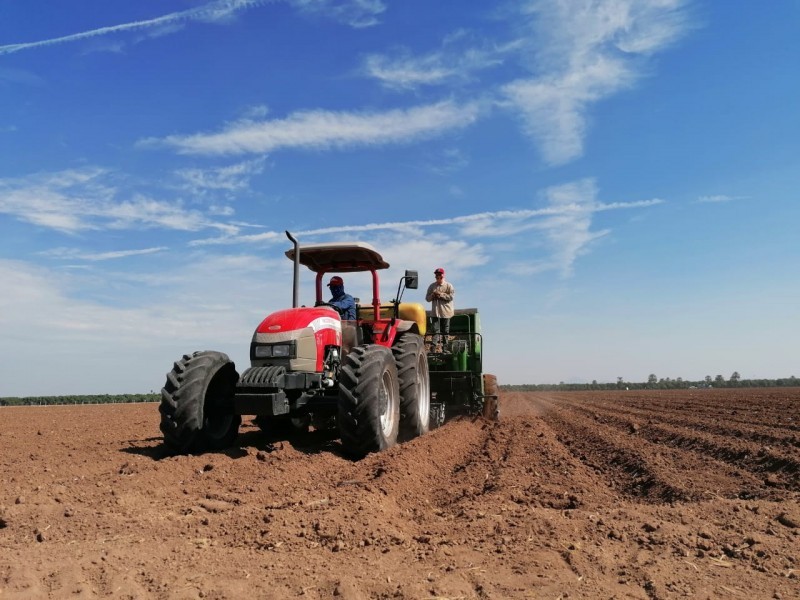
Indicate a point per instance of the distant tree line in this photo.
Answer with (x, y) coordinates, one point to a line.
(654, 383)
(98, 399)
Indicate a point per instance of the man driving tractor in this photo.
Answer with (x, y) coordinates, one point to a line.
(343, 302)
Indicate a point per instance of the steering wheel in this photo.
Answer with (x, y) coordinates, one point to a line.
(329, 305)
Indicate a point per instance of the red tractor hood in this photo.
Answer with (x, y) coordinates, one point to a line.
(292, 319)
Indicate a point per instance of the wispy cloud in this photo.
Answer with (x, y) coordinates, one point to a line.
(230, 178)
(563, 227)
(454, 62)
(76, 309)
(75, 254)
(356, 13)
(446, 162)
(719, 198)
(324, 129)
(583, 51)
(218, 11)
(76, 200)
(569, 235)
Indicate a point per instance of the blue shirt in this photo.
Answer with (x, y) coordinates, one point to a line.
(344, 303)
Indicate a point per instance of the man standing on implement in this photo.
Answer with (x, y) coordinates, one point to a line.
(440, 295)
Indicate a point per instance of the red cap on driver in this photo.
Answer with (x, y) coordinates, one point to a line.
(336, 280)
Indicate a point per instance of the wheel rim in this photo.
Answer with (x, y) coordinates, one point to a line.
(424, 391)
(389, 406)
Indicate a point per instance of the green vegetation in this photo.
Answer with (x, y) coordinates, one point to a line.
(654, 383)
(100, 399)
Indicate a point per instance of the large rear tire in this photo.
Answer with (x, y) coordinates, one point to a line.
(491, 407)
(197, 403)
(415, 386)
(369, 400)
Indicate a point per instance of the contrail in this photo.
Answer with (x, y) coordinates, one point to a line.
(573, 208)
(213, 11)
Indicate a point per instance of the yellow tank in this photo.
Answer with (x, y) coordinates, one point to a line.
(413, 311)
(407, 311)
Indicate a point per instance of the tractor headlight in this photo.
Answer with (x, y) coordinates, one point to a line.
(263, 351)
(282, 350)
(274, 350)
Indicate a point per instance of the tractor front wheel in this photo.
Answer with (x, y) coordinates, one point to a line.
(197, 403)
(369, 400)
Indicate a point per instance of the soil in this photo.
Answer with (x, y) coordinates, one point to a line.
(663, 494)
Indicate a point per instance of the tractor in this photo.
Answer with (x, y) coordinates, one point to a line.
(367, 377)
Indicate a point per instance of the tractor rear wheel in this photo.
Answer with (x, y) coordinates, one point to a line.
(197, 403)
(491, 408)
(369, 400)
(415, 386)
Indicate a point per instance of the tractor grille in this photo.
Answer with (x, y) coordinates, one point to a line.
(256, 380)
(261, 377)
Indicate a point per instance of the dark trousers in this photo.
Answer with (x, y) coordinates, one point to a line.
(441, 325)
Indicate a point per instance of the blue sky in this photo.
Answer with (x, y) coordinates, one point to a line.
(613, 183)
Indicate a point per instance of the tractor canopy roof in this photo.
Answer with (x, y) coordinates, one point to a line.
(343, 257)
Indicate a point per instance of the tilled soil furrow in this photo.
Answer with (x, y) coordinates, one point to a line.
(780, 469)
(689, 419)
(651, 471)
(760, 469)
(764, 417)
(525, 464)
(762, 409)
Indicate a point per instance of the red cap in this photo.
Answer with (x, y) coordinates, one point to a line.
(336, 280)
(439, 270)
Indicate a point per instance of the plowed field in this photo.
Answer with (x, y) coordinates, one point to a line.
(585, 495)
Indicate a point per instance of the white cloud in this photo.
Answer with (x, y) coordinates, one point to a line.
(75, 254)
(583, 51)
(217, 11)
(83, 199)
(356, 13)
(446, 162)
(124, 346)
(569, 234)
(229, 178)
(95, 319)
(324, 129)
(718, 198)
(432, 251)
(563, 229)
(405, 71)
(486, 224)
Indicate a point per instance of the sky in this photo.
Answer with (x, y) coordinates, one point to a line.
(612, 183)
